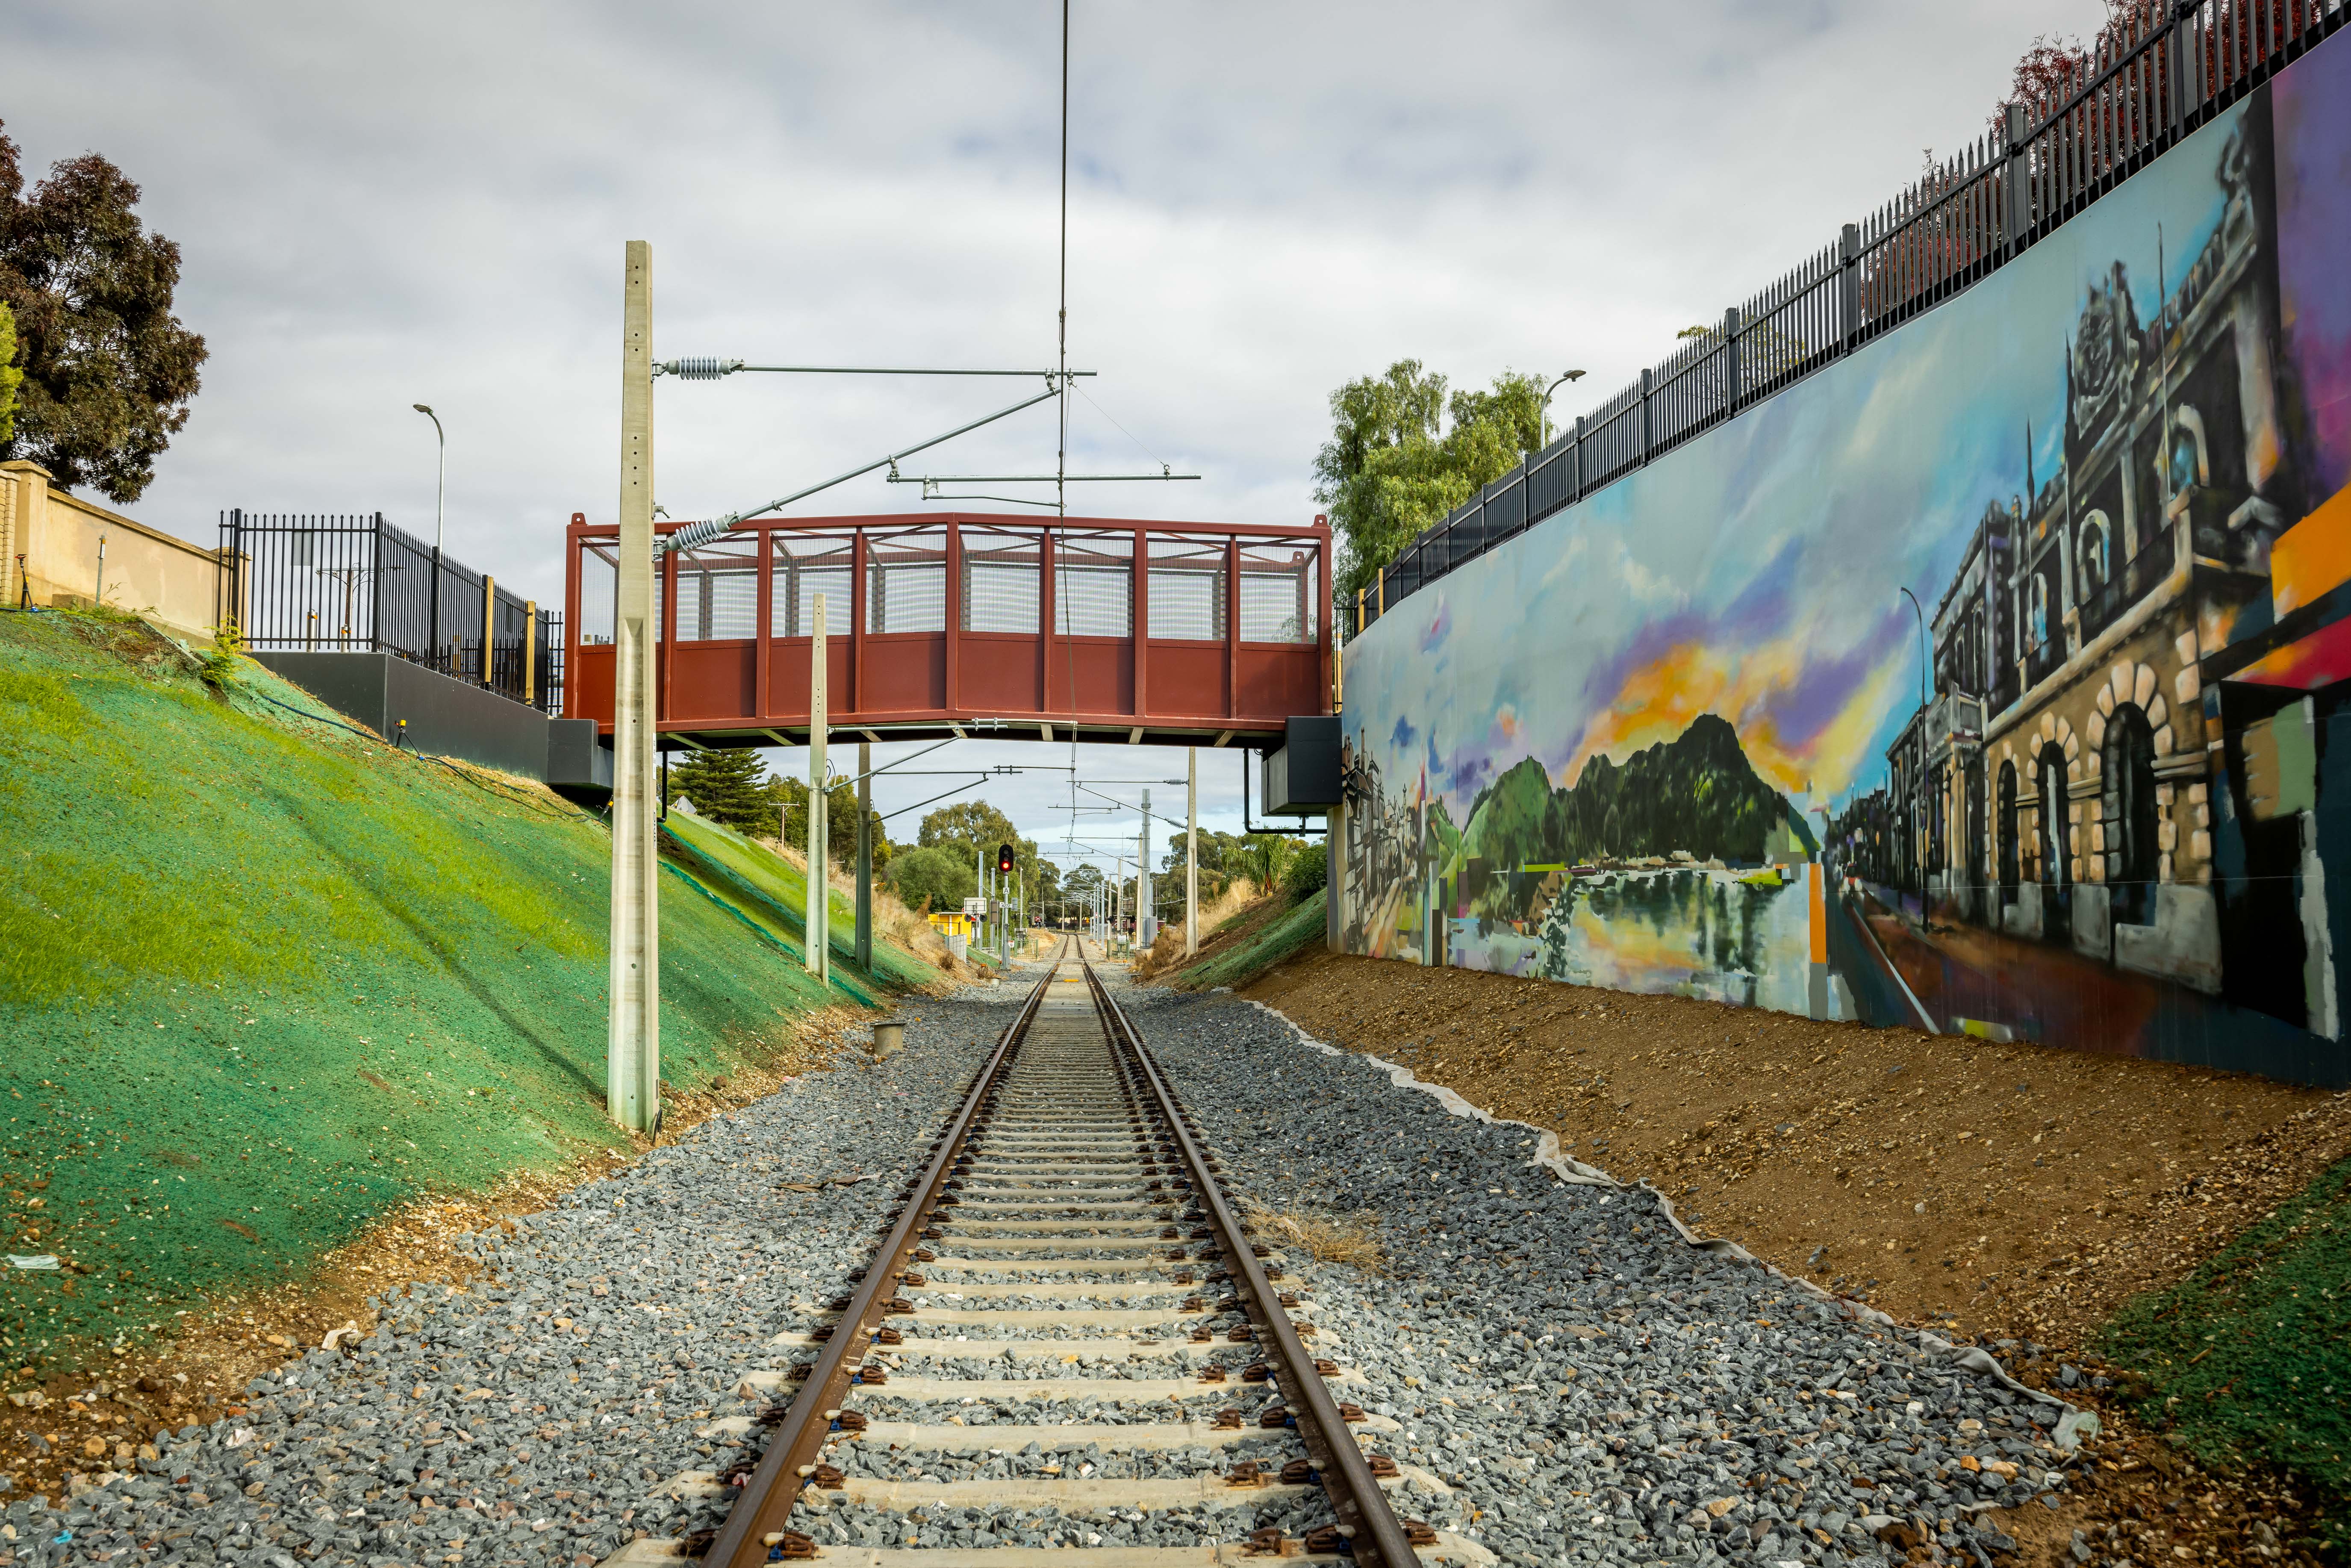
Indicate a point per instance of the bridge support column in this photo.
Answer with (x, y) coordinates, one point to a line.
(632, 1028)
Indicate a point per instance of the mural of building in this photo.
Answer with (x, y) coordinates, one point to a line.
(1988, 681)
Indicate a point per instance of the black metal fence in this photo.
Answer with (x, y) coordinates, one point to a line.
(2161, 70)
(356, 583)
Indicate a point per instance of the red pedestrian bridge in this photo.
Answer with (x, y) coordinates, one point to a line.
(960, 624)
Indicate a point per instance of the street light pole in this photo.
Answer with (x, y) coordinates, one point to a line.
(1923, 658)
(440, 493)
(1570, 376)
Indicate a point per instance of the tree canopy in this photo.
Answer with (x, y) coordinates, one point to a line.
(725, 786)
(10, 376)
(789, 798)
(974, 828)
(1403, 452)
(931, 878)
(107, 371)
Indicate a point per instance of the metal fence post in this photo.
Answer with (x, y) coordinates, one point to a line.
(1575, 451)
(1647, 379)
(224, 574)
(2188, 64)
(375, 587)
(2019, 183)
(1730, 361)
(1849, 284)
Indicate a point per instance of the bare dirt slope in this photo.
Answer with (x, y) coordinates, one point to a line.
(2012, 1193)
(2007, 1190)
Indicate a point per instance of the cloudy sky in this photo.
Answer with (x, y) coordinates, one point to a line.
(378, 206)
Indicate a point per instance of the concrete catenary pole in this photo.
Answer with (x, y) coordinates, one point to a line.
(819, 895)
(632, 1039)
(1191, 851)
(865, 854)
(1143, 922)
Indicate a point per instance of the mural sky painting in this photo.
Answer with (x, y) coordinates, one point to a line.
(1971, 603)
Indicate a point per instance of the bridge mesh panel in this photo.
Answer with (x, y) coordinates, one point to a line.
(600, 583)
(1093, 585)
(808, 564)
(1278, 592)
(1001, 581)
(906, 580)
(1187, 589)
(718, 591)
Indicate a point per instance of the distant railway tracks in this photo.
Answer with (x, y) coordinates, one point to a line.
(1072, 1220)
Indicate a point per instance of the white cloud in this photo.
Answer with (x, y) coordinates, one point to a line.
(379, 207)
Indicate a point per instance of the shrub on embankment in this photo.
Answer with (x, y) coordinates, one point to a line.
(261, 979)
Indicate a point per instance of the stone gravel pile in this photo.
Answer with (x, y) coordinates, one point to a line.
(1596, 1389)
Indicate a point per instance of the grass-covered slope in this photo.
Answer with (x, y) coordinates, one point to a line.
(772, 893)
(261, 979)
(2248, 1358)
(1236, 963)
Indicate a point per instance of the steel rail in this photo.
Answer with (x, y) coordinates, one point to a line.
(767, 1498)
(1365, 1516)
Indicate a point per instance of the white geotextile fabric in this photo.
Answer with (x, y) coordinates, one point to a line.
(2071, 1428)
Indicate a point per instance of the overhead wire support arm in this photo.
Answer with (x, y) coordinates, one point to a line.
(1036, 479)
(694, 534)
(711, 369)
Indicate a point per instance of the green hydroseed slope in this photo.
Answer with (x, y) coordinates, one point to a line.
(1282, 937)
(773, 893)
(2250, 1356)
(261, 979)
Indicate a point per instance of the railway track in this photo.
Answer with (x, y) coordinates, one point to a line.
(1067, 1329)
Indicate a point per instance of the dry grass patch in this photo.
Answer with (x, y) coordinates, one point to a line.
(1348, 1238)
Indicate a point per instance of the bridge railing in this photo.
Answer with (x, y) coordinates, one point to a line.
(938, 620)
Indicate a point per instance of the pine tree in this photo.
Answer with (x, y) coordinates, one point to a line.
(725, 786)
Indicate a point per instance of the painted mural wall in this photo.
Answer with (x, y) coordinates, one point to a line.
(1996, 680)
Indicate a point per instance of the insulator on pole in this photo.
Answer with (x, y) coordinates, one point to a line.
(694, 535)
(698, 369)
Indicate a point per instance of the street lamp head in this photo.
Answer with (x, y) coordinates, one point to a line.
(420, 408)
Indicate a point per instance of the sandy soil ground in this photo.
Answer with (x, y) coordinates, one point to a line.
(2000, 1192)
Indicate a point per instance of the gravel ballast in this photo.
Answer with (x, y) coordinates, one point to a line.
(1597, 1389)
(1593, 1388)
